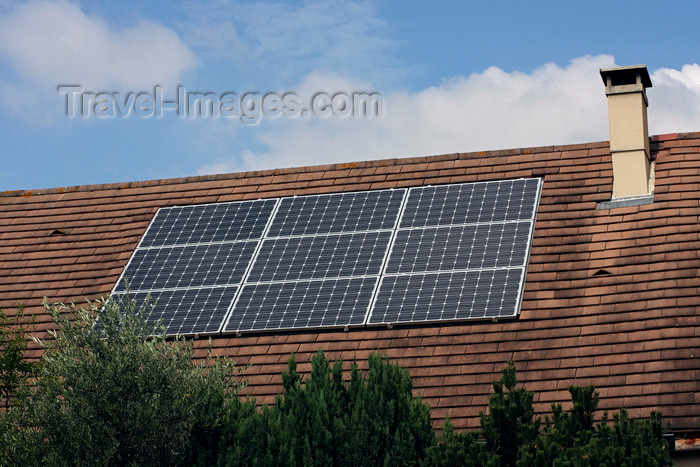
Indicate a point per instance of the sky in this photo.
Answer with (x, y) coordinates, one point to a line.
(89, 90)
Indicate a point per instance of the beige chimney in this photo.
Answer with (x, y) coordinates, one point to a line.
(629, 135)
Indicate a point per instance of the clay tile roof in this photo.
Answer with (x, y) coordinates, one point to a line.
(612, 297)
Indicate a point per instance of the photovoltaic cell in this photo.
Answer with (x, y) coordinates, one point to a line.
(445, 296)
(339, 212)
(190, 311)
(320, 257)
(334, 302)
(223, 222)
(188, 266)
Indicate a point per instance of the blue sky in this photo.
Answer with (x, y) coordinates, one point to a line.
(453, 76)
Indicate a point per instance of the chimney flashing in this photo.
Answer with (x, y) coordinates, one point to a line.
(626, 202)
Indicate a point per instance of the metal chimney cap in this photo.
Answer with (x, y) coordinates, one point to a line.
(626, 75)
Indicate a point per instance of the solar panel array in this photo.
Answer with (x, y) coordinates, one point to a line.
(387, 256)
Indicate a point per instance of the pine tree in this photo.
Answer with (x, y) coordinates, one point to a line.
(509, 422)
(324, 421)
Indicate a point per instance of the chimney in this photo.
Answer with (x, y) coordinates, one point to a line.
(629, 135)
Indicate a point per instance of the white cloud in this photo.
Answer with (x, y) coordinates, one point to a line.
(489, 110)
(51, 43)
(674, 100)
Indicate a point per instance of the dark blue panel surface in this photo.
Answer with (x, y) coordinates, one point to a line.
(470, 203)
(320, 257)
(460, 247)
(339, 212)
(448, 295)
(459, 252)
(289, 305)
(224, 222)
(190, 266)
(190, 311)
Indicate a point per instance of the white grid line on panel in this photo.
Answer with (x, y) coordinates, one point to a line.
(325, 234)
(221, 242)
(177, 289)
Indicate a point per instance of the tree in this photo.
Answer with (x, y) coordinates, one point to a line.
(510, 421)
(113, 390)
(368, 421)
(511, 435)
(572, 439)
(459, 450)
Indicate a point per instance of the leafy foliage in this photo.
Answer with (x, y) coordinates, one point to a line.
(15, 375)
(15, 370)
(119, 393)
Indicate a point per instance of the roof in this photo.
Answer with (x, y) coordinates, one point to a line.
(611, 295)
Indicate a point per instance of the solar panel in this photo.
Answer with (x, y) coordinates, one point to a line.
(192, 260)
(188, 311)
(338, 212)
(430, 253)
(342, 238)
(302, 304)
(188, 266)
(444, 296)
(460, 247)
(223, 222)
(320, 257)
(460, 252)
(469, 203)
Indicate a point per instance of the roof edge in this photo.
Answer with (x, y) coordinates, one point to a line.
(336, 166)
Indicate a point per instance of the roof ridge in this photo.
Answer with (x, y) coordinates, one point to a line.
(327, 167)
